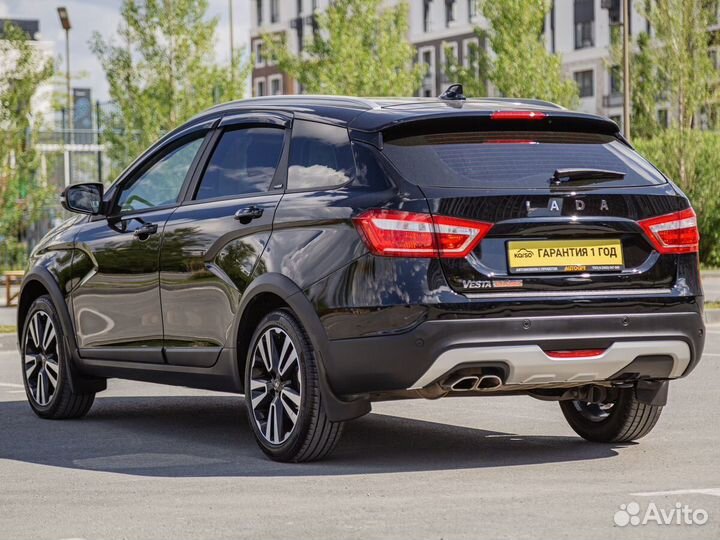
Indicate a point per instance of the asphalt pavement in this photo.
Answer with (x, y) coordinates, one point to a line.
(153, 461)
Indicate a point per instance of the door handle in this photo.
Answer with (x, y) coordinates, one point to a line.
(146, 230)
(247, 214)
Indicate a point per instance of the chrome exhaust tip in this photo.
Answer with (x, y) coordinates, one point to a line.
(464, 384)
(488, 382)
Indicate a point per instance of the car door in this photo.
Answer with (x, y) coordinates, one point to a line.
(214, 239)
(116, 304)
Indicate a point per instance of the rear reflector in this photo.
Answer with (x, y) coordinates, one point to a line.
(518, 115)
(392, 233)
(576, 353)
(674, 233)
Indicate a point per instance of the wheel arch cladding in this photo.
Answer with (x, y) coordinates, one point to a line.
(40, 282)
(274, 291)
(36, 284)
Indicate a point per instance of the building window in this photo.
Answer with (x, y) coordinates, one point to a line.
(585, 82)
(427, 58)
(274, 11)
(300, 30)
(584, 24)
(449, 12)
(426, 15)
(276, 85)
(260, 87)
(258, 12)
(448, 49)
(259, 55)
(468, 46)
(615, 80)
(472, 9)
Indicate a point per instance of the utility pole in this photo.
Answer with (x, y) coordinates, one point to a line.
(627, 98)
(65, 22)
(232, 42)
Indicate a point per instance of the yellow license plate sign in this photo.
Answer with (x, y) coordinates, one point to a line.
(565, 256)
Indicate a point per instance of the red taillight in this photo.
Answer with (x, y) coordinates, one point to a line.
(575, 353)
(674, 233)
(518, 115)
(392, 233)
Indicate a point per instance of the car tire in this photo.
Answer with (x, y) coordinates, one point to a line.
(623, 420)
(282, 393)
(45, 369)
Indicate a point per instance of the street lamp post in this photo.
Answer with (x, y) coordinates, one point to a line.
(65, 22)
(627, 98)
(623, 12)
(232, 41)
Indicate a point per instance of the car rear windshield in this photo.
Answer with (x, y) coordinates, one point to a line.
(513, 159)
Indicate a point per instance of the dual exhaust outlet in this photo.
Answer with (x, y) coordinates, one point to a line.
(470, 383)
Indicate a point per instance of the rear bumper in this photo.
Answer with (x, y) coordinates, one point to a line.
(434, 349)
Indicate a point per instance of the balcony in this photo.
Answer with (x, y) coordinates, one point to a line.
(614, 99)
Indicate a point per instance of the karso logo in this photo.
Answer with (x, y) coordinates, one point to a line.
(630, 514)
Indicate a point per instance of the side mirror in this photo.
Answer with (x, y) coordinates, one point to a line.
(83, 198)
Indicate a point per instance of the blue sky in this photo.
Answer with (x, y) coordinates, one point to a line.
(87, 16)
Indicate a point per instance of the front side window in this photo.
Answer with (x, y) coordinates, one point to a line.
(243, 163)
(160, 185)
(320, 156)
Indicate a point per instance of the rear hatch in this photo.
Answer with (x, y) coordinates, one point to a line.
(570, 205)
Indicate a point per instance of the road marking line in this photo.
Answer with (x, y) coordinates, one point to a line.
(715, 492)
(711, 354)
(11, 385)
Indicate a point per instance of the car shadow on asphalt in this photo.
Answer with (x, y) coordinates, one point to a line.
(201, 436)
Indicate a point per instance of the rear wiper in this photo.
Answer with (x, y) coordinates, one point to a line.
(570, 175)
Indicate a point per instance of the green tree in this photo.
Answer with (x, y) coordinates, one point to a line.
(681, 56)
(522, 66)
(645, 82)
(705, 174)
(161, 72)
(23, 194)
(360, 48)
(472, 74)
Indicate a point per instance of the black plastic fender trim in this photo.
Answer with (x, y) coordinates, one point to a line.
(79, 382)
(336, 409)
(652, 392)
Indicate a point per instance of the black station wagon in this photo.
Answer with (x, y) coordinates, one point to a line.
(318, 254)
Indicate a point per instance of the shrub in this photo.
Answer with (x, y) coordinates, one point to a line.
(702, 178)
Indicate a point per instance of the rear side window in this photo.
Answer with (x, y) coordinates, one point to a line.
(320, 156)
(243, 163)
(513, 159)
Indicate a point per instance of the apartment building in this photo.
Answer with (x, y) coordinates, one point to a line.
(579, 30)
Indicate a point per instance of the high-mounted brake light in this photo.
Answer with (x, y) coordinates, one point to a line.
(674, 233)
(518, 115)
(392, 233)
